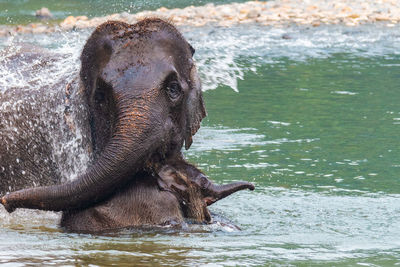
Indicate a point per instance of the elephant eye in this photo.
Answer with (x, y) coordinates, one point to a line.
(174, 90)
(204, 182)
(192, 50)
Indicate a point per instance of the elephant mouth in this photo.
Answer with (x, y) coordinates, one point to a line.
(188, 141)
(191, 131)
(209, 200)
(193, 128)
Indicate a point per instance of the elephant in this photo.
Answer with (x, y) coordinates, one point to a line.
(144, 103)
(178, 193)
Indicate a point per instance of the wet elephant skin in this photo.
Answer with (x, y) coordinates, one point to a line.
(179, 192)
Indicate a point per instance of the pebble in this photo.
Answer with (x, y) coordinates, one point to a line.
(271, 13)
(43, 13)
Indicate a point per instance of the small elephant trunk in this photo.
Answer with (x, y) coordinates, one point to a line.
(217, 192)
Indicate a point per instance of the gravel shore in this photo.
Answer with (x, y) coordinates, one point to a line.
(276, 12)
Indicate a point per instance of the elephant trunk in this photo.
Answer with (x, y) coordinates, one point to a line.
(217, 192)
(117, 163)
(83, 191)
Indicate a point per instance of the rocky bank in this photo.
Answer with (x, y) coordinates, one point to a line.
(275, 12)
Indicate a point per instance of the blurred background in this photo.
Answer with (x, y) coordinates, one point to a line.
(23, 11)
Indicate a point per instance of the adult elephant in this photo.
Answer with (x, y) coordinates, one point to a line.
(145, 102)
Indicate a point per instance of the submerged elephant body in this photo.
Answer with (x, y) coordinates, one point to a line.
(179, 192)
(141, 203)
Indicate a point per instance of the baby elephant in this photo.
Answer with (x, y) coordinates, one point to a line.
(178, 192)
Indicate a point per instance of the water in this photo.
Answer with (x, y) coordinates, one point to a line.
(312, 120)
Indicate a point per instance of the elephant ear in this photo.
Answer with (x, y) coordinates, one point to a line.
(170, 179)
(97, 52)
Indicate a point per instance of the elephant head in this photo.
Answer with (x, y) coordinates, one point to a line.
(194, 190)
(143, 80)
(179, 192)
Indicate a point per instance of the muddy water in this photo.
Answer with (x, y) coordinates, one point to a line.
(312, 119)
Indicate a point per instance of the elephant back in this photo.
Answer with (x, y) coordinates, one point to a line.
(42, 141)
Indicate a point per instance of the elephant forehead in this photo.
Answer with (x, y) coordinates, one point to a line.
(177, 48)
(138, 76)
(155, 47)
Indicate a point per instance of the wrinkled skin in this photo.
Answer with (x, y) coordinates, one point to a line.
(145, 102)
(178, 192)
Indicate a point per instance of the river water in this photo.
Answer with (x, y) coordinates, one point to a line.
(311, 116)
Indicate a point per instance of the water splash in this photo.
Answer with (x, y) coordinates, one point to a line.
(33, 80)
(224, 55)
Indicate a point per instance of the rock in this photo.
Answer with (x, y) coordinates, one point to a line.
(69, 20)
(253, 13)
(316, 24)
(346, 9)
(162, 9)
(382, 18)
(81, 24)
(354, 16)
(40, 29)
(68, 23)
(272, 12)
(43, 13)
(82, 18)
(124, 15)
(19, 29)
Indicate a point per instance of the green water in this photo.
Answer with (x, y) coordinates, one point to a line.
(322, 123)
(312, 121)
(23, 11)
